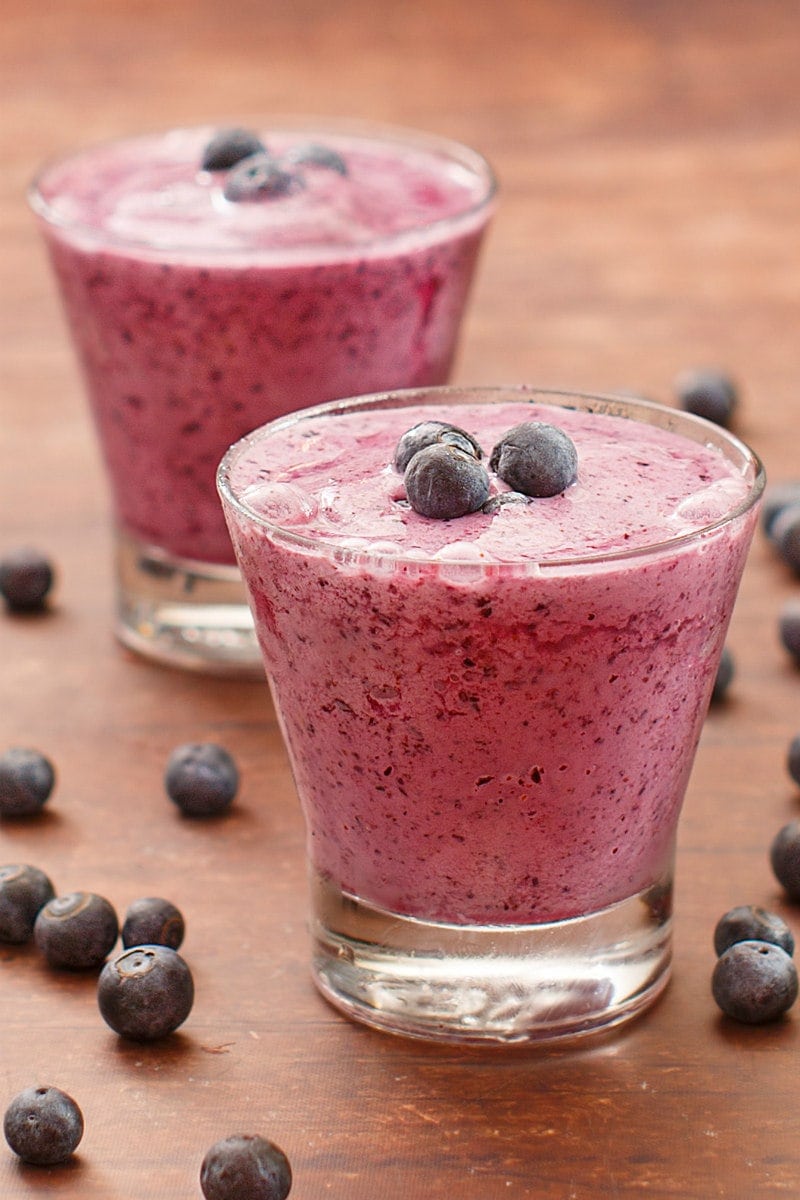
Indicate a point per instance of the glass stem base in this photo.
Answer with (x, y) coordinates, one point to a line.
(495, 983)
(184, 613)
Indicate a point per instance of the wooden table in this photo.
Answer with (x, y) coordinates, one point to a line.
(650, 166)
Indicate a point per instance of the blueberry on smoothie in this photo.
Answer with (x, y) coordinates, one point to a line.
(230, 146)
(754, 982)
(442, 481)
(502, 500)
(314, 154)
(259, 177)
(536, 459)
(429, 433)
(708, 393)
(747, 923)
(245, 1167)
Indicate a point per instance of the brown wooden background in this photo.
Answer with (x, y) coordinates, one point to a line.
(649, 155)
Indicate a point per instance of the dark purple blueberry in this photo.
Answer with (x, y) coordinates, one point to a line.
(76, 931)
(43, 1125)
(501, 499)
(245, 1167)
(754, 982)
(153, 921)
(201, 778)
(708, 393)
(724, 677)
(444, 482)
(749, 923)
(793, 758)
(24, 890)
(785, 536)
(26, 578)
(789, 628)
(536, 459)
(431, 433)
(315, 155)
(778, 497)
(230, 146)
(145, 993)
(26, 781)
(259, 177)
(784, 855)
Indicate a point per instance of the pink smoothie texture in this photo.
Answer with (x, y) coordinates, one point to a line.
(482, 732)
(197, 319)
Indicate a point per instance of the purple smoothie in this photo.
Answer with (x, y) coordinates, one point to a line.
(490, 719)
(197, 318)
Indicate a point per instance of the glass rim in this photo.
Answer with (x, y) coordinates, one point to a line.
(628, 407)
(368, 131)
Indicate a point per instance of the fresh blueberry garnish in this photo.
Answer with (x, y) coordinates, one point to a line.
(754, 982)
(444, 482)
(784, 855)
(24, 890)
(260, 176)
(245, 1167)
(152, 921)
(201, 778)
(230, 146)
(316, 155)
(145, 993)
(536, 459)
(501, 499)
(724, 677)
(76, 931)
(430, 433)
(26, 781)
(43, 1125)
(749, 923)
(708, 393)
(26, 578)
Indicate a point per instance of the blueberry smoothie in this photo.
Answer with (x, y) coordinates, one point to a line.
(209, 294)
(491, 717)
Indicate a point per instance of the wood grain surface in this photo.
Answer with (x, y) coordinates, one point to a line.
(649, 159)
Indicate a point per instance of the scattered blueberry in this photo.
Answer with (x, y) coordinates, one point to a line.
(153, 921)
(778, 497)
(793, 758)
(76, 931)
(145, 993)
(724, 676)
(754, 982)
(230, 146)
(259, 176)
(501, 499)
(789, 628)
(784, 855)
(749, 923)
(315, 155)
(245, 1167)
(201, 778)
(785, 536)
(430, 433)
(444, 482)
(26, 578)
(24, 890)
(536, 459)
(708, 393)
(26, 781)
(43, 1125)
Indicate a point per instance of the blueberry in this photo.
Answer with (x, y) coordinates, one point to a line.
(724, 676)
(536, 459)
(230, 146)
(785, 535)
(145, 993)
(754, 982)
(749, 923)
(708, 393)
(784, 855)
(430, 433)
(76, 931)
(315, 155)
(26, 781)
(26, 578)
(201, 778)
(43, 1125)
(153, 921)
(257, 177)
(501, 499)
(24, 890)
(245, 1167)
(444, 482)
(793, 758)
(778, 497)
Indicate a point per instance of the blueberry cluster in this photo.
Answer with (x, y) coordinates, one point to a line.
(254, 173)
(445, 478)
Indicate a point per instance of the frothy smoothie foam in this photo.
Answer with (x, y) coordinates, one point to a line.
(492, 719)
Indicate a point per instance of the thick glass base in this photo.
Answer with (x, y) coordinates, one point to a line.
(183, 613)
(495, 983)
